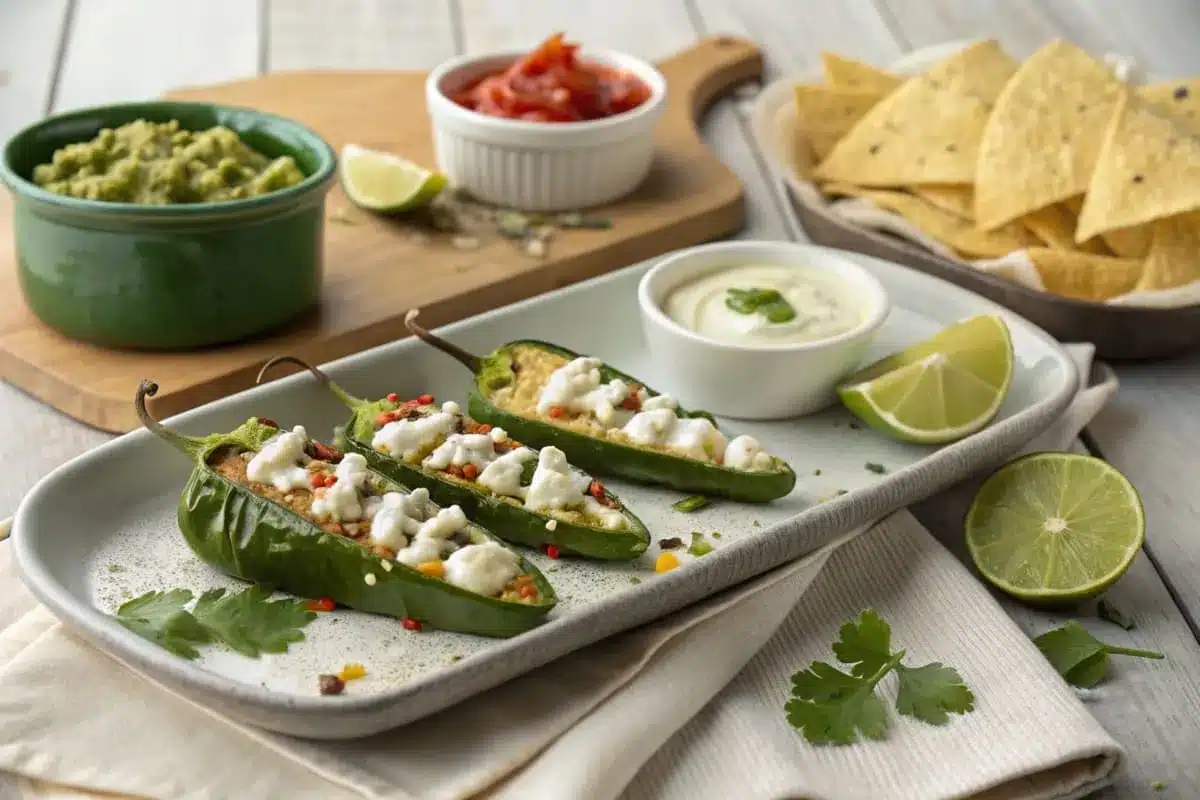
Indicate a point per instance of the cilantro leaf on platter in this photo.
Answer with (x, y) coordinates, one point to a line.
(830, 707)
(866, 643)
(160, 617)
(932, 692)
(250, 624)
(1079, 657)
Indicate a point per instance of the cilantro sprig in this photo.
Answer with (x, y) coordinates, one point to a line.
(246, 622)
(768, 302)
(1081, 658)
(830, 706)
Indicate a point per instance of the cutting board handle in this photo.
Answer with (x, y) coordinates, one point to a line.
(708, 68)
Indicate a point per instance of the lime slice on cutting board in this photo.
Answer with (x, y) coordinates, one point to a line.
(387, 183)
(1055, 527)
(947, 387)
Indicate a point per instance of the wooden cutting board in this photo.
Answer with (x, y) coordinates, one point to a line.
(374, 271)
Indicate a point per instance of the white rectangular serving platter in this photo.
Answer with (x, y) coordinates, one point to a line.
(101, 529)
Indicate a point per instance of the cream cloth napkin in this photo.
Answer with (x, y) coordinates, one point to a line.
(690, 707)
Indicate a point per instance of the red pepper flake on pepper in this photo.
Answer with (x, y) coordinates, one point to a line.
(470, 471)
(556, 412)
(410, 624)
(527, 590)
(270, 423)
(596, 490)
(321, 604)
(392, 397)
(323, 452)
(552, 551)
(425, 400)
(317, 480)
(330, 684)
(455, 470)
(632, 401)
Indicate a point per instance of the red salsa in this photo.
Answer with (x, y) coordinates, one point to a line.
(551, 84)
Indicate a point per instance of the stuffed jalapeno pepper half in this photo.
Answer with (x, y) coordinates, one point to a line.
(276, 507)
(610, 423)
(523, 495)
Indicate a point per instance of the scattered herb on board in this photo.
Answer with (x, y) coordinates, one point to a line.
(469, 221)
(757, 524)
(693, 503)
(854, 426)
(1081, 658)
(878, 469)
(830, 706)
(716, 534)
(245, 622)
(114, 568)
(816, 472)
(635, 579)
(699, 547)
(340, 216)
(1157, 786)
(1116, 616)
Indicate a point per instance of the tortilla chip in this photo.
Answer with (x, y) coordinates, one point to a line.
(1129, 242)
(847, 73)
(957, 233)
(1174, 258)
(1085, 276)
(928, 130)
(1148, 169)
(957, 198)
(1179, 100)
(1055, 226)
(825, 114)
(1041, 143)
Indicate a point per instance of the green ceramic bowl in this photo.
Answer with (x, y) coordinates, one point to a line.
(169, 277)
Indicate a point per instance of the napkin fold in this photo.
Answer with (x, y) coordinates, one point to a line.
(688, 707)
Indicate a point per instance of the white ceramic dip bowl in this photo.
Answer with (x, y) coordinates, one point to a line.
(758, 380)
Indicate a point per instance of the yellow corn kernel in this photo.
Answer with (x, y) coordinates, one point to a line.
(666, 562)
(432, 569)
(352, 672)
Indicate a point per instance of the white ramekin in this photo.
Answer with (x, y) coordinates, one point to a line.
(754, 382)
(535, 166)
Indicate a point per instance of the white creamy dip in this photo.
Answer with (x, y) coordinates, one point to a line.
(824, 305)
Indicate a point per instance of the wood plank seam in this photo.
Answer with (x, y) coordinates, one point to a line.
(64, 41)
(1093, 447)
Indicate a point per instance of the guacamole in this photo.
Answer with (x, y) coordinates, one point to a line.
(158, 163)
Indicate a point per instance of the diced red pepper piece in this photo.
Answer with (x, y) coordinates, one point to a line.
(425, 399)
(470, 471)
(410, 624)
(552, 551)
(393, 397)
(557, 412)
(270, 423)
(527, 590)
(323, 452)
(321, 604)
(317, 480)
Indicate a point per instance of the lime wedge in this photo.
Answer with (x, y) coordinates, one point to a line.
(947, 387)
(386, 183)
(1055, 527)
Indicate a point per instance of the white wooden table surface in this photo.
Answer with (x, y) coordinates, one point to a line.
(60, 54)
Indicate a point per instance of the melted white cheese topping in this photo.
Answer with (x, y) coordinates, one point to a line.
(503, 476)
(343, 502)
(745, 452)
(406, 438)
(576, 387)
(482, 568)
(461, 449)
(278, 462)
(397, 516)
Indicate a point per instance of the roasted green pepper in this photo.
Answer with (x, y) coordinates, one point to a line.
(508, 384)
(250, 509)
(472, 465)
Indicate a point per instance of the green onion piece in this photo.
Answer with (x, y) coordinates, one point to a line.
(690, 504)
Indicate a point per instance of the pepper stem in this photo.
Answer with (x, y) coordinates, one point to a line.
(471, 362)
(187, 445)
(349, 399)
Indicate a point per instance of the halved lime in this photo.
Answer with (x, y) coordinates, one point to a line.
(1055, 527)
(379, 181)
(947, 387)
